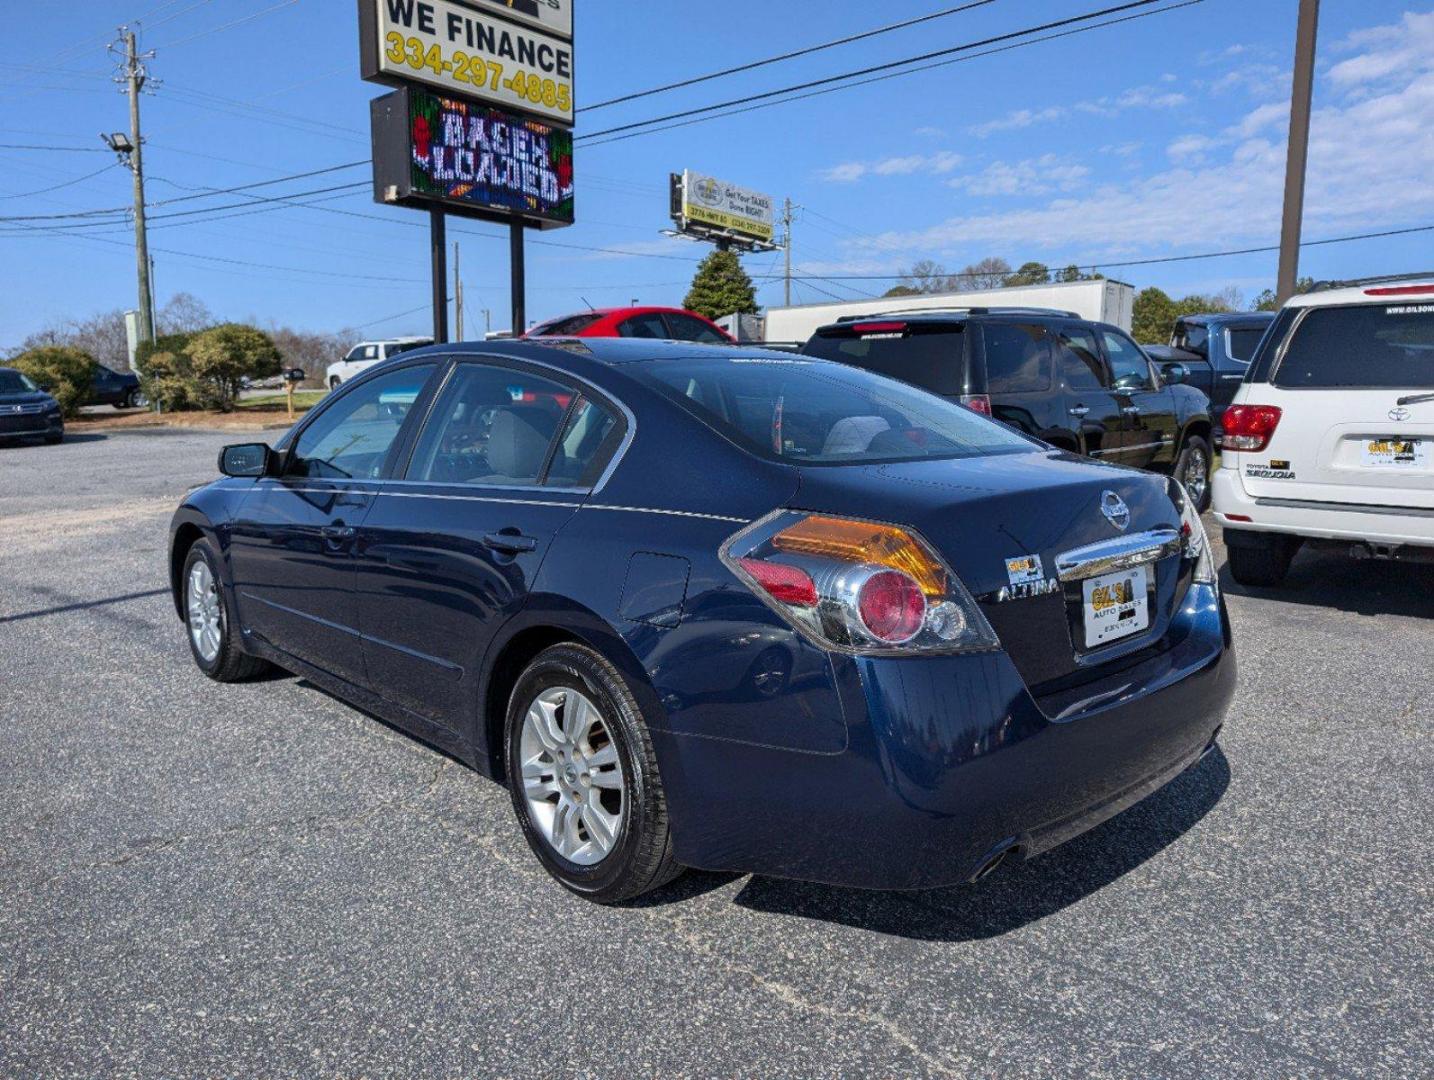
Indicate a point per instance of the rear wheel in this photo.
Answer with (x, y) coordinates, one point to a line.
(584, 779)
(212, 627)
(1260, 561)
(1192, 468)
(55, 437)
(333, 382)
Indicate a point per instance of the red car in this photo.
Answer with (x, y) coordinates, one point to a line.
(664, 324)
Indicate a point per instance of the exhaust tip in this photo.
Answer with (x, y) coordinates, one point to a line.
(990, 866)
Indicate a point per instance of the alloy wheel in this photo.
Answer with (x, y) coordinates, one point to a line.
(1197, 475)
(206, 626)
(572, 776)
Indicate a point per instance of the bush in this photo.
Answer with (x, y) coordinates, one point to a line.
(223, 356)
(65, 372)
(167, 374)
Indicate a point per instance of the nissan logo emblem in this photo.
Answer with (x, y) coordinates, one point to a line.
(1399, 415)
(1115, 510)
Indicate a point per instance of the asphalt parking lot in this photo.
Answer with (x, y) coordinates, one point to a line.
(258, 880)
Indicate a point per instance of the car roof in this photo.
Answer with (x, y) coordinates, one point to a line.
(605, 351)
(1385, 290)
(1216, 317)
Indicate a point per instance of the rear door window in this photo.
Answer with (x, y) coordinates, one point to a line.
(686, 328)
(1365, 345)
(1242, 341)
(933, 358)
(1081, 365)
(1018, 358)
(644, 326)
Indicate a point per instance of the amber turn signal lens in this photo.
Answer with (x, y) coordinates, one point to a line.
(864, 542)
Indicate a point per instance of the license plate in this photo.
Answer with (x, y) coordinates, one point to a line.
(1116, 605)
(1398, 453)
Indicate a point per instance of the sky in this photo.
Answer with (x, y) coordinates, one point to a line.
(1155, 138)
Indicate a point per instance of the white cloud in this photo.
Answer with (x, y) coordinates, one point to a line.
(1037, 176)
(937, 164)
(1371, 156)
(1021, 118)
(930, 132)
(1189, 148)
(1137, 97)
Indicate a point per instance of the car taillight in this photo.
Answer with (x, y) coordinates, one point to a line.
(1250, 427)
(977, 403)
(1401, 290)
(857, 586)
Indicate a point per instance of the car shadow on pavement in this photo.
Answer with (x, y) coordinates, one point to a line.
(78, 605)
(1359, 586)
(1018, 893)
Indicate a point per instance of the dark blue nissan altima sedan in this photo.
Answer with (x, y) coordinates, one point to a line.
(700, 606)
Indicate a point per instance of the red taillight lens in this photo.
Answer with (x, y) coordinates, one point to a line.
(892, 607)
(1250, 427)
(785, 583)
(977, 403)
(878, 328)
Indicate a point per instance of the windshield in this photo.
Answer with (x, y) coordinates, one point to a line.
(12, 382)
(929, 357)
(811, 412)
(1366, 345)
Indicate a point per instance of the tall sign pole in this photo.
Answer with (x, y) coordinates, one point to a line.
(1298, 155)
(438, 242)
(519, 286)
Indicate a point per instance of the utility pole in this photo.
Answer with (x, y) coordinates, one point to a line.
(131, 150)
(457, 295)
(787, 245)
(1295, 162)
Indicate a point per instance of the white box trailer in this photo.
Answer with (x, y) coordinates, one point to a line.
(1100, 301)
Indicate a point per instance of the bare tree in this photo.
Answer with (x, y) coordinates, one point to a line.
(988, 273)
(924, 276)
(185, 313)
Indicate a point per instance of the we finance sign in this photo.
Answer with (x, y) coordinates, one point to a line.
(518, 55)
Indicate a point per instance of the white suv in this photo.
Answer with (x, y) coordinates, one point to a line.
(366, 354)
(1330, 439)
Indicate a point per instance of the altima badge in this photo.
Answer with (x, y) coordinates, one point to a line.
(1115, 510)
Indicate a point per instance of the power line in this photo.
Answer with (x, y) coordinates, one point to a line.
(55, 149)
(899, 74)
(229, 25)
(753, 65)
(828, 80)
(67, 183)
(1092, 267)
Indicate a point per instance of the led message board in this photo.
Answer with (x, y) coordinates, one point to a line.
(471, 160)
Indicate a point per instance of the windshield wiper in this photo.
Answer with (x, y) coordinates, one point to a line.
(1415, 399)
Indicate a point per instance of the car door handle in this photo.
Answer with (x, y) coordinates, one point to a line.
(1131, 410)
(1080, 412)
(337, 532)
(511, 543)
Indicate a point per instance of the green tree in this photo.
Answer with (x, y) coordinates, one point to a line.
(1267, 300)
(1153, 316)
(902, 290)
(62, 370)
(721, 287)
(1031, 273)
(223, 356)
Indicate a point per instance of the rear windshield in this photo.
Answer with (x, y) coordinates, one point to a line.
(814, 413)
(573, 324)
(929, 357)
(1365, 345)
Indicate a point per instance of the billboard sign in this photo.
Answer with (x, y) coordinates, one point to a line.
(706, 206)
(471, 160)
(554, 16)
(465, 49)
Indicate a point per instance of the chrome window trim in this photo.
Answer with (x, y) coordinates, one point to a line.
(1122, 553)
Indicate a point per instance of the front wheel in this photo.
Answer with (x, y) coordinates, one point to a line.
(54, 438)
(584, 779)
(212, 627)
(1192, 468)
(333, 382)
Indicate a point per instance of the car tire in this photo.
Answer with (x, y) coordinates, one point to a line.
(576, 730)
(126, 402)
(1261, 562)
(216, 650)
(1195, 461)
(334, 382)
(54, 438)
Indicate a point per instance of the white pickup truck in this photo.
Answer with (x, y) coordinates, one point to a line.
(366, 354)
(1330, 439)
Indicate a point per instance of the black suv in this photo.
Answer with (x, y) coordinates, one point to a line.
(1080, 386)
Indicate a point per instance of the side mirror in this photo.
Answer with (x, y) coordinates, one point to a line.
(1176, 373)
(246, 460)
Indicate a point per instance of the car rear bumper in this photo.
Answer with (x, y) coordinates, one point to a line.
(1386, 525)
(951, 762)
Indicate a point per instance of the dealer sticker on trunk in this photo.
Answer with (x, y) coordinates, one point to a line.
(1025, 570)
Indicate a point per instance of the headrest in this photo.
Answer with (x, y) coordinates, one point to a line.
(519, 438)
